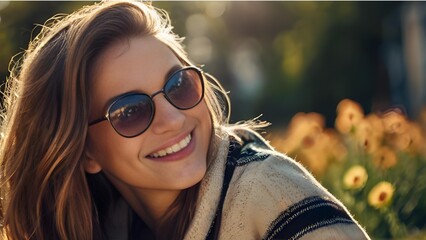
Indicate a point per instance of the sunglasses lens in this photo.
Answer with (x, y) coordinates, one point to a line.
(185, 88)
(131, 114)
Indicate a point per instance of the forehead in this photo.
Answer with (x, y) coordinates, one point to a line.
(134, 64)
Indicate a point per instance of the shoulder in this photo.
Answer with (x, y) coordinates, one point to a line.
(271, 196)
(257, 163)
(260, 170)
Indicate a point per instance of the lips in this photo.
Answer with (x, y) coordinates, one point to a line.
(172, 149)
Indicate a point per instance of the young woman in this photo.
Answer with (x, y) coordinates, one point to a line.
(109, 132)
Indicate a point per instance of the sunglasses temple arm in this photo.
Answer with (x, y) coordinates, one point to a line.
(98, 121)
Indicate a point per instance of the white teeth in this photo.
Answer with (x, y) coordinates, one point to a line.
(169, 150)
(172, 149)
(162, 153)
(183, 144)
(176, 147)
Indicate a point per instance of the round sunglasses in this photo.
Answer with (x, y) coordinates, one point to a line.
(131, 114)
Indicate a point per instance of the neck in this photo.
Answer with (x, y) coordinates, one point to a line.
(151, 205)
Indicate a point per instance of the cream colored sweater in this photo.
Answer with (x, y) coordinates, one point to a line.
(270, 196)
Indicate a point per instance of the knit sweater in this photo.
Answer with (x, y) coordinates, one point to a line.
(251, 191)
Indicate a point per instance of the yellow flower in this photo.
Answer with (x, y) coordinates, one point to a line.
(381, 194)
(315, 154)
(384, 158)
(417, 139)
(394, 122)
(412, 140)
(334, 145)
(400, 141)
(302, 131)
(422, 117)
(315, 161)
(349, 114)
(369, 133)
(355, 177)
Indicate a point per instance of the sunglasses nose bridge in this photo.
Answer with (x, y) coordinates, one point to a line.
(156, 93)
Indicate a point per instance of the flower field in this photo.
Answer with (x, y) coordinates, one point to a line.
(374, 163)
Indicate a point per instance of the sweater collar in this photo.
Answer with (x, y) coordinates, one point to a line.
(210, 189)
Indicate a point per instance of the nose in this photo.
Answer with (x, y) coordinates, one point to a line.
(167, 117)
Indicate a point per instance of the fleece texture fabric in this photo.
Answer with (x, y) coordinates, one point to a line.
(251, 191)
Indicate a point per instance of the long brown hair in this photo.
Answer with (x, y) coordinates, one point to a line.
(44, 191)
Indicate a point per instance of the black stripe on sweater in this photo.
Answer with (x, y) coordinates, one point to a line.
(306, 216)
(233, 153)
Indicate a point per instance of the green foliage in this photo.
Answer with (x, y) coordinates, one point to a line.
(309, 54)
(19, 23)
(406, 213)
(378, 170)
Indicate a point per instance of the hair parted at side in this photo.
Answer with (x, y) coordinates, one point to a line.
(44, 189)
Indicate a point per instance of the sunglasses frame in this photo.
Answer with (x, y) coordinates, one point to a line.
(200, 73)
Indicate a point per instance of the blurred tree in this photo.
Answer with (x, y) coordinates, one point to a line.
(19, 22)
(278, 58)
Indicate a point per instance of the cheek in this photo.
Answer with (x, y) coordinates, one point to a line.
(99, 137)
(205, 117)
(106, 146)
(206, 125)
(96, 146)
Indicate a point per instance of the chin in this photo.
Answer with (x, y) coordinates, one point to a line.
(194, 177)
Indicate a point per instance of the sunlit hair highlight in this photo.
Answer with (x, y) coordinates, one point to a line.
(44, 189)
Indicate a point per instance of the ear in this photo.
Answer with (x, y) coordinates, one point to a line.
(90, 164)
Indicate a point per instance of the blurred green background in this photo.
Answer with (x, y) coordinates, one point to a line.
(279, 58)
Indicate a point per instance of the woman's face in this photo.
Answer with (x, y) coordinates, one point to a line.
(143, 64)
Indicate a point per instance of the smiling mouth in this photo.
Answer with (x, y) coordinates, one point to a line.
(172, 149)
